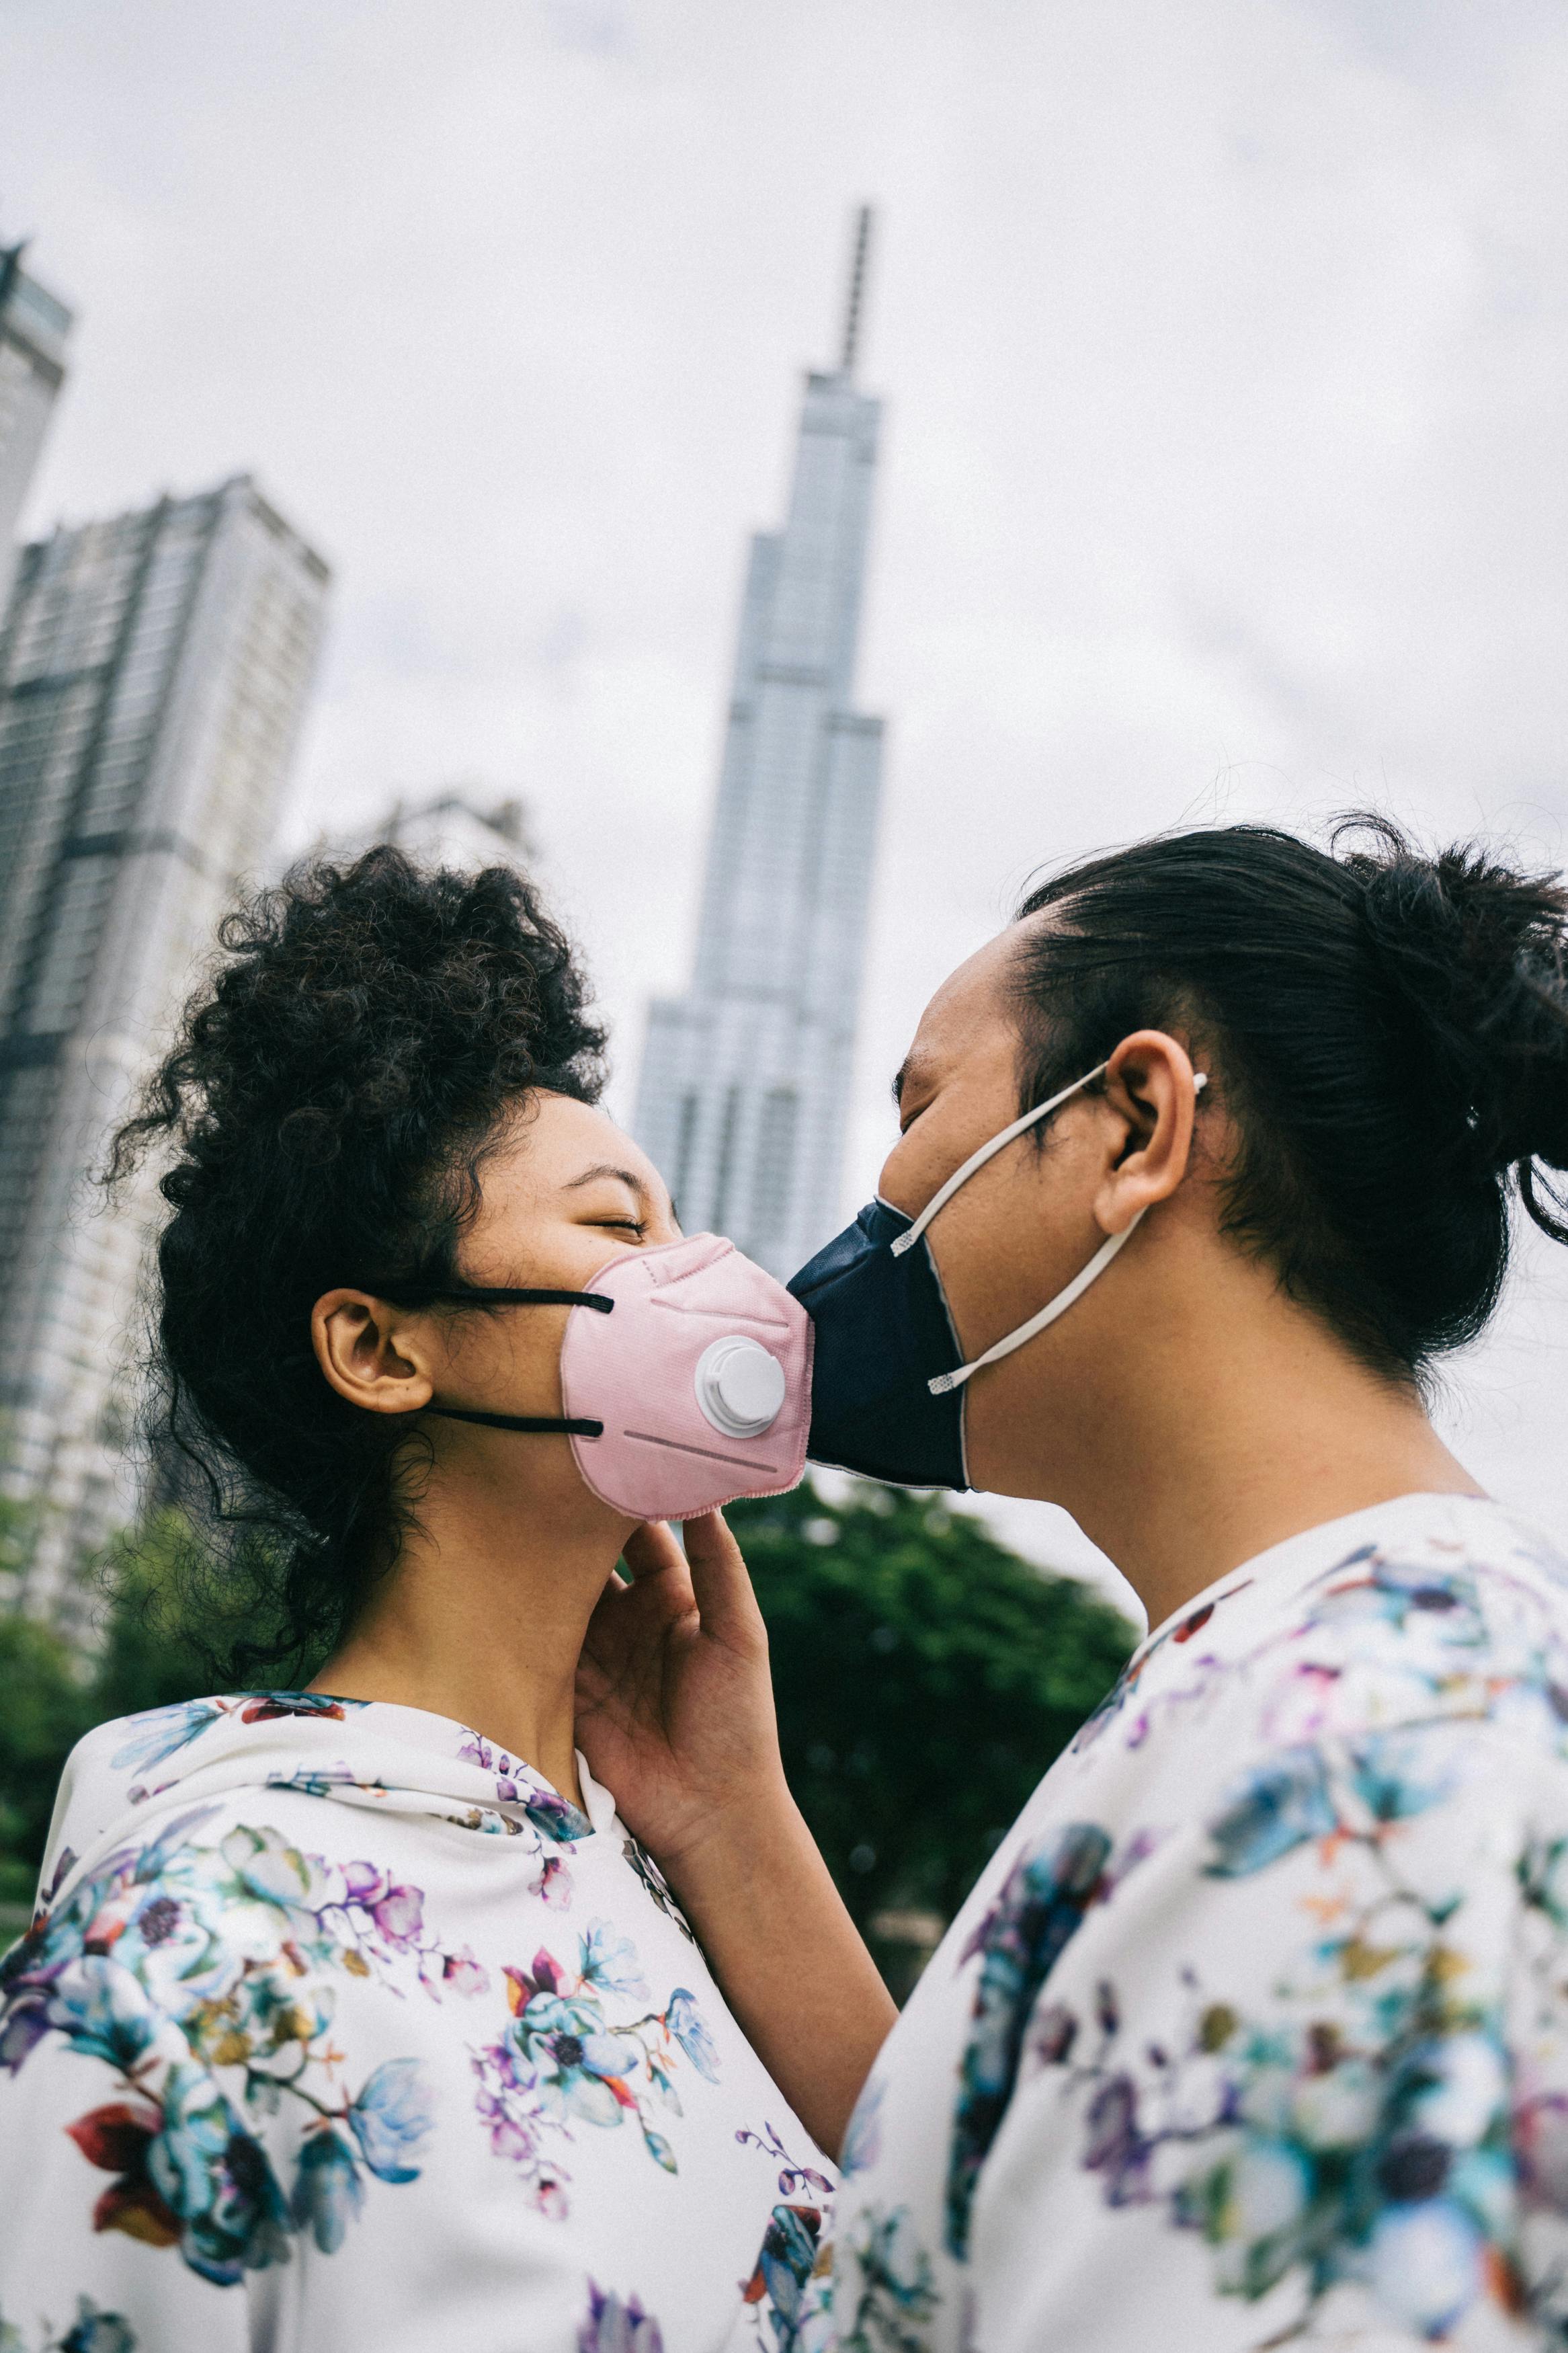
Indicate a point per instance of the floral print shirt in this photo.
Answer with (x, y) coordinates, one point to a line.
(1255, 2031)
(338, 2027)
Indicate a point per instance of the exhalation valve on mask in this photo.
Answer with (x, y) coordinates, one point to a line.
(685, 1376)
(888, 1380)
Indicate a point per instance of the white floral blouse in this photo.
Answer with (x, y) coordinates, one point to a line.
(338, 2028)
(1255, 2031)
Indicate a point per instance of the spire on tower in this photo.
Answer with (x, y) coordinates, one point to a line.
(857, 289)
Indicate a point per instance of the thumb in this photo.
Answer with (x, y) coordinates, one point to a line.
(722, 1585)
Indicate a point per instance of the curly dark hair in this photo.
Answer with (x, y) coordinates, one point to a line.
(363, 1040)
(1390, 1033)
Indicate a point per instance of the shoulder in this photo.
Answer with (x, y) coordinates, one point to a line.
(1441, 1608)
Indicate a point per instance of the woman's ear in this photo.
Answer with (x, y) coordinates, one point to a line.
(372, 1353)
(1150, 1084)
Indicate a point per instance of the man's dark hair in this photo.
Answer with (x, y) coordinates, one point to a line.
(1388, 1032)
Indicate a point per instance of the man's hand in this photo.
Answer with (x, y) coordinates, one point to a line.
(675, 1714)
(675, 1710)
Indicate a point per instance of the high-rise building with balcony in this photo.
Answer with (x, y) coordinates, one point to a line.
(744, 1087)
(33, 331)
(154, 671)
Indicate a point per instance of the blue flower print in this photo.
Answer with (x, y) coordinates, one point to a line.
(685, 2023)
(609, 1962)
(1427, 2262)
(612, 2327)
(579, 2067)
(1278, 1806)
(159, 1733)
(216, 2180)
(784, 2266)
(105, 2011)
(894, 2297)
(93, 2331)
(328, 2192)
(1366, 2135)
(1041, 1906)
(162, 1732)
(566, 2061)
(391, 2117)
(205, 1975)
(1397, 1774)
(863, 2135)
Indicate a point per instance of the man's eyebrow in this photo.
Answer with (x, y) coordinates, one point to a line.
(602, 1168)
(911, 1072)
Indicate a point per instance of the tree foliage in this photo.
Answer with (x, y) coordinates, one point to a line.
(926, 1677)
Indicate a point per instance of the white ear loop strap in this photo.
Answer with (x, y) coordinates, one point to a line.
(944, 1383)
(943, 1195)
(1102, 1257)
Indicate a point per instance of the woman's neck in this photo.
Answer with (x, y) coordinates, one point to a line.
(482, 1620)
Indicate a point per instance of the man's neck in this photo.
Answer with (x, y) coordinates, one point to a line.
(1189, 1481)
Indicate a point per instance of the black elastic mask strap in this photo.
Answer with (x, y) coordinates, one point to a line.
(598, 1300)
(552, 1424)
(535, 1421)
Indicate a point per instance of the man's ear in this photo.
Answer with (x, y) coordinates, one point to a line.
(374, 1354)
(1150, 1084)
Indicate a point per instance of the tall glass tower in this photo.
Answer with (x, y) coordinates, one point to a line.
(33, 331)
(154, 671)
(745, 1079)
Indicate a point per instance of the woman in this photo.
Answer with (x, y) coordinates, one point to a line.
(1255, 2028)
(352, 2017)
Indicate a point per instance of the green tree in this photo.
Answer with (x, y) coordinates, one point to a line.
(48, 1706)
(925, 1677)
(154, 1597)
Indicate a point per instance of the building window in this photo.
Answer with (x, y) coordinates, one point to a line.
(685, 1136)
(723, 1174)
(775, 1162)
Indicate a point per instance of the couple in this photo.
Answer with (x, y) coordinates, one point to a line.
(490, 1993)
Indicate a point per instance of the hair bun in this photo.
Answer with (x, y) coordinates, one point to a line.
(1475, 953)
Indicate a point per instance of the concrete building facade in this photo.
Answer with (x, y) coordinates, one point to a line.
(33, 327)
(153, 672)
(744, 1087)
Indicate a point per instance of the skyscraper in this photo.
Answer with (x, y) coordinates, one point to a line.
(33, 331)
(746, 1081)
(154, 671)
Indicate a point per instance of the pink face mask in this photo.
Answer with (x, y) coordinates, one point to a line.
(686, 1376)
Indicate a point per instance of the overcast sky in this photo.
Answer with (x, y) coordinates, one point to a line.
(1225, 343)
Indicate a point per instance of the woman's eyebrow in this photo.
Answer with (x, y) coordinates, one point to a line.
(607, 1168)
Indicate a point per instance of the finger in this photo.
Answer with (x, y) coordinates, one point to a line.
(652, 1549)
(721, 1582)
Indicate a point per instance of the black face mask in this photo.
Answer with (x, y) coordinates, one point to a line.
(888, 1378)
(882, 1332)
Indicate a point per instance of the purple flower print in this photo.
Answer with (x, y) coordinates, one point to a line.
(399, 1915)
(612, 2327)
(464, 1974)
(516, 1784)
